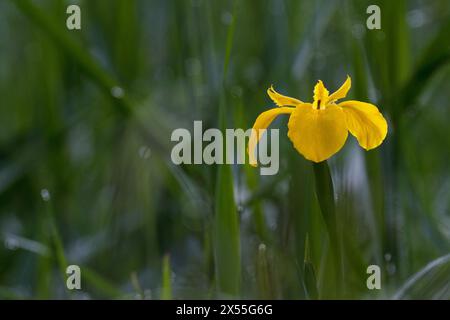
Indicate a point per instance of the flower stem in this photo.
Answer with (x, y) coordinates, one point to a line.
(325, 196)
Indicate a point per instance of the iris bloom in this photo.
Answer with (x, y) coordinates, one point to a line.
(318, 130)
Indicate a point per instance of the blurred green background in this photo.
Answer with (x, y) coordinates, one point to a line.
(85, 170)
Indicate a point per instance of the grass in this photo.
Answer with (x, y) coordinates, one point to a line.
(87, 115)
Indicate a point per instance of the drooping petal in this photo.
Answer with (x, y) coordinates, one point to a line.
(365, 122)
(317, 134)
(261, 123)
(281, 100)
(320, 93)
(342, 91)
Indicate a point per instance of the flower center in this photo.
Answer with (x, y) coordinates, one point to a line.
(319, 104)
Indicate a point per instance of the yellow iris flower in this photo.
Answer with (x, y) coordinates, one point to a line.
(318, 130)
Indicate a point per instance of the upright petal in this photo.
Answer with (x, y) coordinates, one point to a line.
(317, 134)
(281, 100)
(320, 94)
(261, 123)
(365, 122)
(342, 91)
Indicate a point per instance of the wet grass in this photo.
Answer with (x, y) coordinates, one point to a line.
(87, 115)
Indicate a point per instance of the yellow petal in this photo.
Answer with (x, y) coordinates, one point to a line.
(281, 100)
(317, 134)
(261, 123)
(365, 122)
(320, 93)
(342, 91)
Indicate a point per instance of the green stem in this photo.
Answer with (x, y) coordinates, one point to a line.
(166, 293)
(226, 222)
(325, 196)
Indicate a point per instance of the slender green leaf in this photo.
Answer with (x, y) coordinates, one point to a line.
(166, 293)
(431, 282)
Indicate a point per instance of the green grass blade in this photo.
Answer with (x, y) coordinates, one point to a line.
(432, 282)
(310, 280)
(55, 238)
(263, 275)
(309, 274)
(227, 240)
(436, 55)
(99, 283)
(226, 224)
(166, 293)
(76, 52)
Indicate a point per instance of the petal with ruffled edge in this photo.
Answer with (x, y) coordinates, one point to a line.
(317, 134)
(320, 93)
(281, 100)
(365, 122)
(260, 126)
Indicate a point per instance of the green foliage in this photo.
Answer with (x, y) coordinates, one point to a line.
(88, 116)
